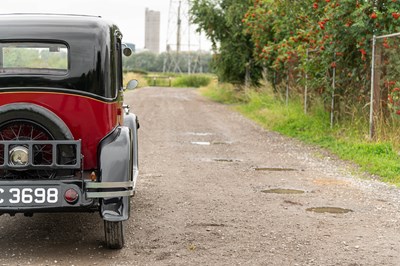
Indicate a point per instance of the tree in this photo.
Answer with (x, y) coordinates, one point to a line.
(338, 33)
(144, 61)
(221, 20)
(150, 62)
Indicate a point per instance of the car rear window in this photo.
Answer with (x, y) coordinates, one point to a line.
(33, 58)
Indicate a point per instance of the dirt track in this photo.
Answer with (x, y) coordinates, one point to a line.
(201, 200)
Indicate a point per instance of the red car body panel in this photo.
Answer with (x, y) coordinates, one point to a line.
(88, 119)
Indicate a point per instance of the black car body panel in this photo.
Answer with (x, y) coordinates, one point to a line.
(90, 40)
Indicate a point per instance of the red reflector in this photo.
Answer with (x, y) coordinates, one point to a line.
(71, 196)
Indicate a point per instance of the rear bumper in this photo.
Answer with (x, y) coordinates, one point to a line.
(109, 194)
(30, 196)
(109, 189)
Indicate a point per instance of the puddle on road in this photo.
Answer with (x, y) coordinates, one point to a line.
(200, 133)
(226, 160)
(201, 143)
(292, 202)
(283, 191)
(207, 143)
(222, 143)
(275, 169)
(209, 225)
(333, 210)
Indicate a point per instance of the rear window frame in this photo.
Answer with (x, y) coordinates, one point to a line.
(33, 71)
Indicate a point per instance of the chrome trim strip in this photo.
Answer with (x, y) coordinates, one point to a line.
(109, 184)
(91, 195)
(135, 176)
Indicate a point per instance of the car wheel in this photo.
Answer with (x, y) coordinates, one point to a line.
(27, 130)
(25, 121)
(21, 129)
(114, 234)
(37, 114)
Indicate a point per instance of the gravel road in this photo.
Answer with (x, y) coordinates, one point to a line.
(216, 189)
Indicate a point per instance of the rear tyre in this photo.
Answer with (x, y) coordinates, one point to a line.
(20, 130)
(31, 122)
(114, 234)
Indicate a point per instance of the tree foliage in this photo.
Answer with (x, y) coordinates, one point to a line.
(221, 20)
(34, 58)
(336, 34)
(151, 62)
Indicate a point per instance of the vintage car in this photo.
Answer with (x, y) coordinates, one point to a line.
(67, 141)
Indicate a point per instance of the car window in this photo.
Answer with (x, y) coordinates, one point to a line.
(33, 58)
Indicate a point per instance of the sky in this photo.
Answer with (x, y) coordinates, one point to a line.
(129, 15)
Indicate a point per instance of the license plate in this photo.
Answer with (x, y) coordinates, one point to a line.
(29, 196)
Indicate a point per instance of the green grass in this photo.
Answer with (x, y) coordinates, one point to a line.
(133, 75)
(178, 80)
(223, 93)
(348, 141)
(192, 81)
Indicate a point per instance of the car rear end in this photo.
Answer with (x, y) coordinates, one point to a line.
(66, 142)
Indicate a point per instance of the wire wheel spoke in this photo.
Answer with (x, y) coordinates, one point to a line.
(27, 130)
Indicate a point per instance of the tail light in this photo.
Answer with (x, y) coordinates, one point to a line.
(71, 196)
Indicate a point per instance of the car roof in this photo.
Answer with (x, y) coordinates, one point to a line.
(51, 26)
(90, 40)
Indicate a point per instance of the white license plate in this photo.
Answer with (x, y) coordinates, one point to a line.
(29, 196)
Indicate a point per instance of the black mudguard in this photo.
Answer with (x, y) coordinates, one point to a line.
(131, 121)
(115, 186)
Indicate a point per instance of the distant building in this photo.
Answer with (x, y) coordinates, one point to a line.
(152, 31)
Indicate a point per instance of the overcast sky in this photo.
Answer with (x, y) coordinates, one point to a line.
(127, 14)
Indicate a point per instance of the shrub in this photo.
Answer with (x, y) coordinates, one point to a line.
(193, 81)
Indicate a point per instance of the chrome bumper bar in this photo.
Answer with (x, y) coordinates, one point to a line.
(112, 189)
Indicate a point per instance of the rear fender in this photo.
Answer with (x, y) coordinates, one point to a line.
(115, 183)
(131, 121)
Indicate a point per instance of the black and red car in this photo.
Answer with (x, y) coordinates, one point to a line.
(67, 141)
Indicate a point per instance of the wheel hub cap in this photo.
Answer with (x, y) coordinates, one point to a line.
(19, 156)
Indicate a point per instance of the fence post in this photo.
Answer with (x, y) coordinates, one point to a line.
(333, 92)
(306, 86)
(247, 76)
(287, 89)
(375, 80)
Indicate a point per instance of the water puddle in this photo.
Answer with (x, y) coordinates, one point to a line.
(283, 191)
(211, 224)
(226, 160)
(222, 143)
(201, 143)
(200, 133)
(293, 202)
(275, 169)
(206, 225)
(333, 210)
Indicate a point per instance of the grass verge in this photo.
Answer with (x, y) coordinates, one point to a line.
(140, 77)
(191, 81)
(348, 140)
(169, 79)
